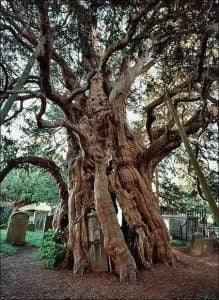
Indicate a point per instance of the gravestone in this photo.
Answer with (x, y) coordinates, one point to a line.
(17, 227)
(175, 228)
(48, 223)
(39, 219)
(197, 244)
(31, 227)
(209, 246)
(190, 227)
(97, 254)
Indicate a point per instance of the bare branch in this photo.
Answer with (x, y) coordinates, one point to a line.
(58, 123)
(124, 83)
(82, 89)
(130, 33)
(18, 37)
(69, 77)
(182, 86)
(170, 139)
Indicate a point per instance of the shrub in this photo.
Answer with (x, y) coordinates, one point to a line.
(4, 215)
(7, 248)
(51, 250)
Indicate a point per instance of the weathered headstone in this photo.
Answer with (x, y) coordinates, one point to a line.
(98, 257)
(197, 244)
(175, 228)
(17, 227)
(30, 227)
(39, 219)
(208, 246)
(48, 223)
(190, 227)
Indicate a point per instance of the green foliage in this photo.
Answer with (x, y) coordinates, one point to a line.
(178, 184)
(6, 248)
(30, 185)
(51, 251)
(8, 147)
(4, 215)
(179, 243)
(32, 238)
(176, 49)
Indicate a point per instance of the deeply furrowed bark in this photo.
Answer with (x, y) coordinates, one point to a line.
(114, 242)
(106, 138)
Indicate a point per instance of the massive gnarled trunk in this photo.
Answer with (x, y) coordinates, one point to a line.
(111, 161)
(106, 160)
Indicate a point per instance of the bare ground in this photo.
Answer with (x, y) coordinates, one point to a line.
(23, 277)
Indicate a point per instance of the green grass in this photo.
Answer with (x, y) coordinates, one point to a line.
(32, 238)
(7, 248)
(178, 242)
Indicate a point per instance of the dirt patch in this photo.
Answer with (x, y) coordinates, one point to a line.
(23, 277)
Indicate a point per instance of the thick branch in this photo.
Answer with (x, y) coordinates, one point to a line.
(171, 139)
(124, 83)
(69, 77)
(132, 27)
(44, 60)
(82, 89)
(58, 123)
(8, 104)
(181, 87)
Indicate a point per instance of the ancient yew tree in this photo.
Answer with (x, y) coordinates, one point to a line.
(99, 58)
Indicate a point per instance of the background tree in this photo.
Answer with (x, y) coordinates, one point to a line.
(98, 58)
(30, 186)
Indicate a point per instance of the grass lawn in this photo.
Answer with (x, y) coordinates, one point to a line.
(32, 238)
(179, 243)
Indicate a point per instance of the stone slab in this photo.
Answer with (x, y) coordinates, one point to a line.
(17, 227)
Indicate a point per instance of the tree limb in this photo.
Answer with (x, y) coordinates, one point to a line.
(124, 83)
(130, 33)
(58, 123)
(8, 104)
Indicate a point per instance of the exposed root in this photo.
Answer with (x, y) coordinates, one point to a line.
(79, 267)
(179, 261)
(127, 274)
